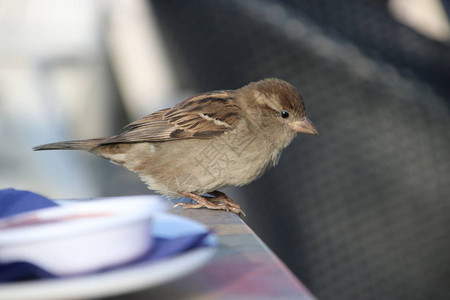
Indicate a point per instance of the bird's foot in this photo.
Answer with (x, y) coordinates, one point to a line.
(222, 198)
(222, 202)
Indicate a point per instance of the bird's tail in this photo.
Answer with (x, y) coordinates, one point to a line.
(86, 145)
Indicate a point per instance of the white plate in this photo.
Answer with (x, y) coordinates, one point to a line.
(84, 232)
(128, 279)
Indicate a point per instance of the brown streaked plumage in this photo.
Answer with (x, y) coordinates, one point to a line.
(207, 142)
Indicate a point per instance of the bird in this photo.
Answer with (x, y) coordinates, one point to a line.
(207, 142)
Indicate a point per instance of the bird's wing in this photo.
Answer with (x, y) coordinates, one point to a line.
(203, 116)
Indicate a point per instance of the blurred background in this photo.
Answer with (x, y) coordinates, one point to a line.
(360, 212)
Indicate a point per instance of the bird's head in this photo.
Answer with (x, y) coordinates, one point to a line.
(278, 105)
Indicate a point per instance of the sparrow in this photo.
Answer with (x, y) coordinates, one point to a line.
(207, 142)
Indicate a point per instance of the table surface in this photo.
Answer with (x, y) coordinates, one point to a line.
(242, 268)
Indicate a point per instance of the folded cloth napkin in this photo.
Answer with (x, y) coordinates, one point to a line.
(13, 202)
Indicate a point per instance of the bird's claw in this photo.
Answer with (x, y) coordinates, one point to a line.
(222, 202)
(220, 206)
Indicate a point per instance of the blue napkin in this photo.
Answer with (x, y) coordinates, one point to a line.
(13, 202)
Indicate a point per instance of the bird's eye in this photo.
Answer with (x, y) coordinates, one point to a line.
(284, 114)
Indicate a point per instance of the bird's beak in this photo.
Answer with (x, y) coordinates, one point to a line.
(304, 125)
